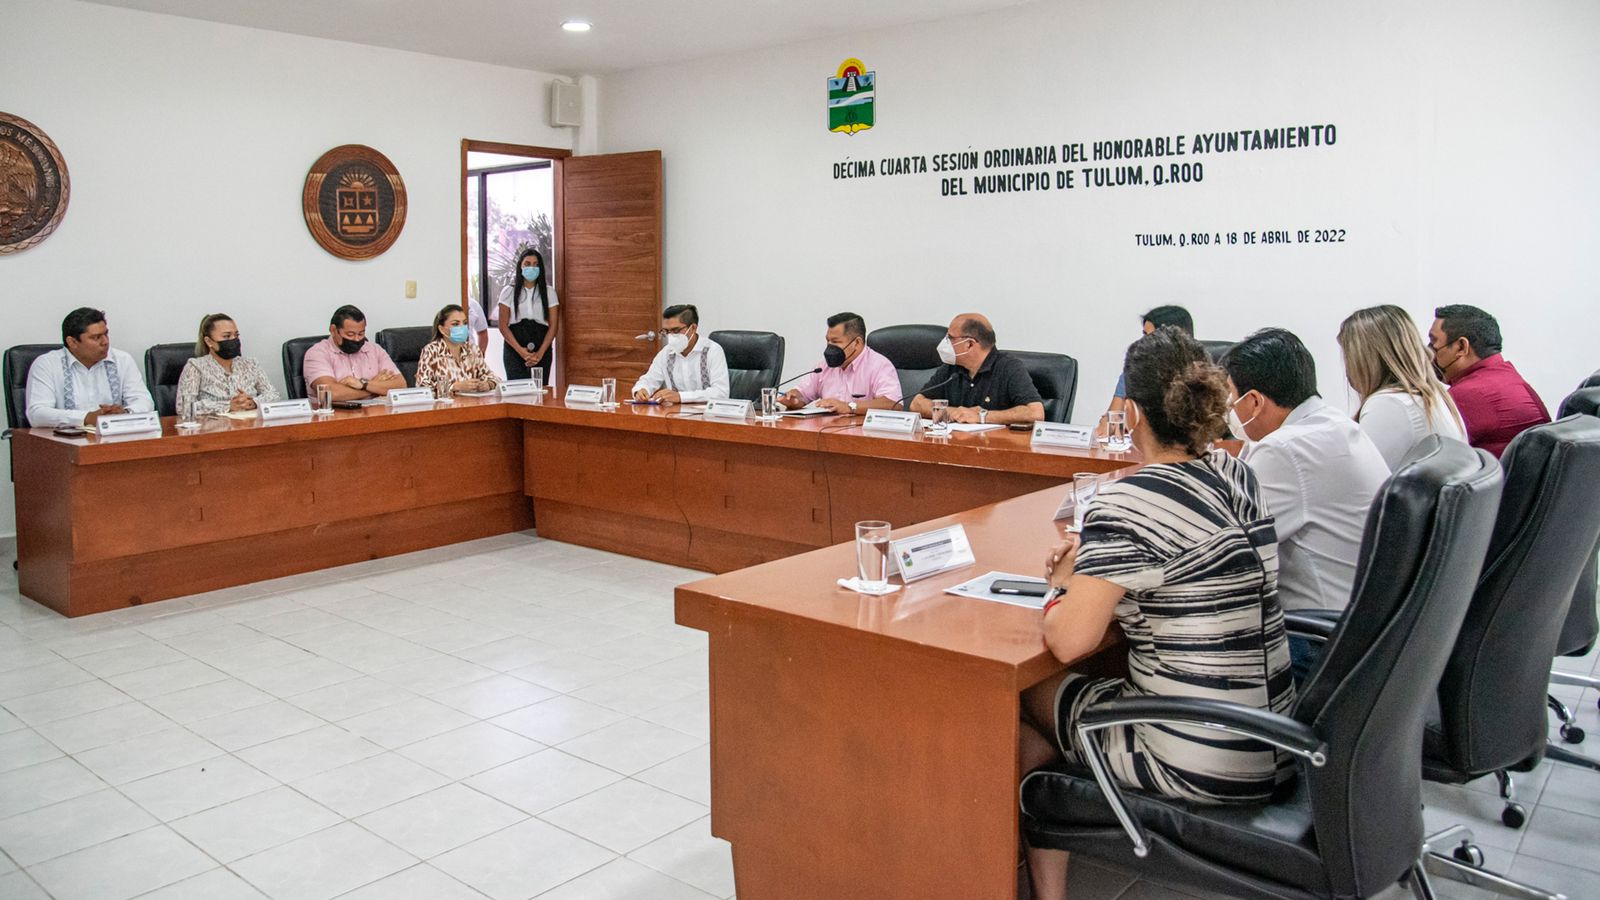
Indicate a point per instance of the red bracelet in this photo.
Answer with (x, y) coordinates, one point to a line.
(1049, 605)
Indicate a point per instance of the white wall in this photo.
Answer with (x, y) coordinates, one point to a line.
(188, 144)
(1462, 173)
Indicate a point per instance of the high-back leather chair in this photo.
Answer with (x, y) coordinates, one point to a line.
(1351, 824)
(1217, 349)
(18, 360)
(755, 361)
(163, 364)
(1492, 697)
(294, 364)
(1056, 377)
(912, 349)
(404, 346)
(1581, 627)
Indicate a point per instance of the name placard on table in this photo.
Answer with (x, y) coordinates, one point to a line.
(128, 423)
(727, 409)
(409, 397)
(588, 394)
(891, 420)
(519, 387)
(930, 553)
(1061, 434)
(285, 409)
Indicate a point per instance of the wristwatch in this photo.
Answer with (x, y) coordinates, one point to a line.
(852, 406)
(983, 416)
(363, 384)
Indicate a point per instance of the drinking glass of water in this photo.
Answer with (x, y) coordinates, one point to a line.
(1117, 438)
(608, 392)
(872, 555)
(1084, 486)
(187, 420)
(939, 418)
(769, 404)
(537, 377)
(324, 400)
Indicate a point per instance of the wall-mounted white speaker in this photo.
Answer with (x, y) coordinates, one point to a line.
(566, 105)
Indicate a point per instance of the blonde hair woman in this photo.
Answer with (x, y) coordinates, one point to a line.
(1402, 401)
(220, 379)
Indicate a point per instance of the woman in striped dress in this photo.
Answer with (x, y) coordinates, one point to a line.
(1183, 556)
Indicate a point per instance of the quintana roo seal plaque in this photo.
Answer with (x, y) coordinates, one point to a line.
(34, 187)
(354, 202)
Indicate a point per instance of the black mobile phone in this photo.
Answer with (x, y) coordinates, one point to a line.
(1019, 588)
(1021, 426)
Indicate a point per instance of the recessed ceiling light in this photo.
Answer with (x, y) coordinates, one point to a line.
(575, 26)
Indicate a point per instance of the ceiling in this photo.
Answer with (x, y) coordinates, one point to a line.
(526, 34)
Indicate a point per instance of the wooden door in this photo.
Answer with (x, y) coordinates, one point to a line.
(609, 240)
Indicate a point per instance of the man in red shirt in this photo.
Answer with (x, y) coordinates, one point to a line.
(1495, 403)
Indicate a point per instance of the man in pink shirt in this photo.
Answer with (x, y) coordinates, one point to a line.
(1496, 404)
(854, 377)
(352, 366)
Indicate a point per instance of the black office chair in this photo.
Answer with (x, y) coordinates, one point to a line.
(1056, 377)
(1217, 349)
(914, 351)
(1351, 824)
(404, 346)
(163, 364)
(1582, 625)
(18, 360)
(755, 361)
(294, 364)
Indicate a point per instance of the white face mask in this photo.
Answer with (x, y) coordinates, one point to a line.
(677, 343)
(947, 351)
(1236, 427)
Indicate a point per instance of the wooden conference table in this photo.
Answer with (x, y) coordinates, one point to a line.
(104, 524)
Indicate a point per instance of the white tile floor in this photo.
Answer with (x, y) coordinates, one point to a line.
(447, 724)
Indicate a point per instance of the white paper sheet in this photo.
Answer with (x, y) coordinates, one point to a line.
(978, 589)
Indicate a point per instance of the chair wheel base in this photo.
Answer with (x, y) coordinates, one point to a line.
(1572, 734)
(1469, 853)
(1513, 816)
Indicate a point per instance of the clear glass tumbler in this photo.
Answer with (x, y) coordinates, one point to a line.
(769, 404)
(537, 377)
(608, 392)
(324, 402)
(1084, 486)
(1117, 438)
(939, 418)
(187, 420)
(872, 554)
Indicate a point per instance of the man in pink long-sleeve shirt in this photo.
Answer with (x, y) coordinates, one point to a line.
(1496, 404)
(854, 377)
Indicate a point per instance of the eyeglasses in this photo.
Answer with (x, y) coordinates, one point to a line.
(681, 329)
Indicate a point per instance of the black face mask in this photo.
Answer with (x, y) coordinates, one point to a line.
(229, 349)
(833, 355)
(350, 346)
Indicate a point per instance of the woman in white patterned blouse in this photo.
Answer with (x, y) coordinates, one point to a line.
(451, 357)
(218, 379)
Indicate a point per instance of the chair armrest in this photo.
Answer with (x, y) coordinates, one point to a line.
(1263, 725)
(1313, 625)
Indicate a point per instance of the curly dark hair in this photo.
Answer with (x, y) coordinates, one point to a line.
(1182, 395)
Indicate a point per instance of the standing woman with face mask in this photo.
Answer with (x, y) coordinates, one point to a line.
(219, 379)
(529, 315)
(452, 357)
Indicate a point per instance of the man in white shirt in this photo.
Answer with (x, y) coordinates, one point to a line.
(686, 370)
(85, 379)
(1318, 472)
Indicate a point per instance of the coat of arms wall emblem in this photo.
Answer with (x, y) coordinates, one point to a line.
(354, 202)
(852, 97)
(34, 187)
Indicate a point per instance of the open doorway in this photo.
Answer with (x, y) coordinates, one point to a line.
(508, 203)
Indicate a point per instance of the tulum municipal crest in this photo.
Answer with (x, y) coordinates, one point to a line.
(354, 202)
(852, 95)
(34, 187)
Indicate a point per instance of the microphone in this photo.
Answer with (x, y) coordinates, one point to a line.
(905, 402)
(801, 375)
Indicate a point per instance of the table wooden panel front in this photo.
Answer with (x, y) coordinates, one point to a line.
(866, 746)
(114, 523)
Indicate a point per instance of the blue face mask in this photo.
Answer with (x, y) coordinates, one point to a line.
(459, 334)
(530, 273)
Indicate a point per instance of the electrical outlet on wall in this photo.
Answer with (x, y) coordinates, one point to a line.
(411, 290)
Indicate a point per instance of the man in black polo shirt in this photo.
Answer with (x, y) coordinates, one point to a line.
(983, 384)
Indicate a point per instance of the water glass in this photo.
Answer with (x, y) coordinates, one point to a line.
(324, 406)
(608, 392)
(872, 555)
(443, 389)
(769, 404)
(537, 377)
(939, 418)
(1117, 438)
(187, 420)
(1084, 486)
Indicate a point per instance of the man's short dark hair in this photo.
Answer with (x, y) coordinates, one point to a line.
(683, 312)
(854, 325)
(1176, 316)
(78, 321)
(1482, 332)
(346, 313)
(1274, 362)
(975, 329)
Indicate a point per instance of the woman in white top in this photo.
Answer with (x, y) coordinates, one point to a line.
(528, 315)
(1402, 401)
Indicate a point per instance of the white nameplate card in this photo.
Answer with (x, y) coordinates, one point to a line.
(409, 396)
(930, 553)
(285, 409)
(585, 394)
(128, 423)
(891, 420)
(520, 387)
(727, 409)
(1060, 434)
